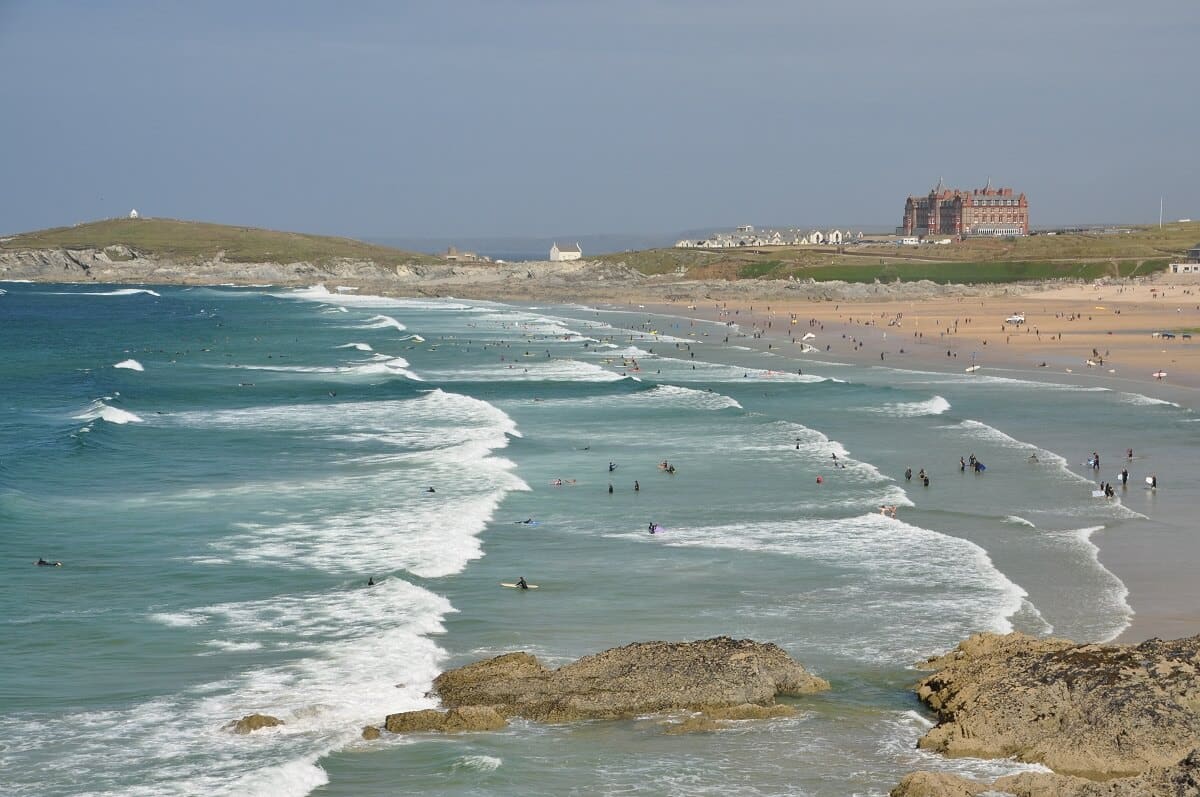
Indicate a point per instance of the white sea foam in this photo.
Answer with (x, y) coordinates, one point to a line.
(319, 293)
(99, 410)
(383, 322)
(1139, 400)
(119, 292)
(358, 346)
(899, 733)
(978, 430)
(530, 369)
(1020, 521)
(383, 520)
(380, 365)
(178, 619)
(227, 646)
(933, 406)
(961, 589)
(347, 674)
(478, 763)
(132, 365)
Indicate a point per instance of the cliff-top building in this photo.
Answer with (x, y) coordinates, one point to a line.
(983, 211)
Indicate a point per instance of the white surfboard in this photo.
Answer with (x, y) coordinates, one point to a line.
(972, 368)
(514, 586)
(1149, 482)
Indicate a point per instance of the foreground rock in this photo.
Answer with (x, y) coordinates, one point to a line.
(732, 679)
(1097, 711)
(642, 678)
(1180, 780)
(456, 720)
(253, 722)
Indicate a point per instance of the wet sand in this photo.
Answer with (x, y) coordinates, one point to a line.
(1064, 328)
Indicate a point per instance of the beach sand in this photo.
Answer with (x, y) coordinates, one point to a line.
(1064, 328)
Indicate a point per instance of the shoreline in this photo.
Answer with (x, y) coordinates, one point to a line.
(1151, 571)
(1116, 319)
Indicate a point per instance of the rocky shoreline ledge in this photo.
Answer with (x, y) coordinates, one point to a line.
(570, 281)
(1110, 720)
(709, 680)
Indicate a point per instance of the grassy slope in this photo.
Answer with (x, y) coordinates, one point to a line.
(1143, 251)
(194, 239)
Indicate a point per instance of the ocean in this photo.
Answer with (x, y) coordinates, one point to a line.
(221, 470)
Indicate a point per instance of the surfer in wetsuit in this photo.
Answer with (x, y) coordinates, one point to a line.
(1124, 477)
(43, 563)
(371, 581)
(521, 583)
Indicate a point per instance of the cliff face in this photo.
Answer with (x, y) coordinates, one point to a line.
(1095, 710)
(1111, 720)
(120, 264)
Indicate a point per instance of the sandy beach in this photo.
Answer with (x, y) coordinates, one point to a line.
(1112, 326)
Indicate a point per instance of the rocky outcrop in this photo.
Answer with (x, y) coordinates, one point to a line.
(456, 720)
(1181, 779)
(642, 678)
(253, 722)
(370, 733)
(1098, 711)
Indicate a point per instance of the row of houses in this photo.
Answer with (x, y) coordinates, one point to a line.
(746, 236)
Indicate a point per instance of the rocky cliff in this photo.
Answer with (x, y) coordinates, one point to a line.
(122, 264)
(567, 281)
(642, 678)
(1126, 714)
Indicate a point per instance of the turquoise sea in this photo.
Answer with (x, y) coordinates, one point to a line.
(221, 470)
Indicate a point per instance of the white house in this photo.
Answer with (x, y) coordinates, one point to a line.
(568, 252)
(816, 237)
(133, 214)
(834, 237)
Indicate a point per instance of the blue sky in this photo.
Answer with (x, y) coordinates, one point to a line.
(541, 118)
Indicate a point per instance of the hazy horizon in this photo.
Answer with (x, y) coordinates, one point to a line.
(534, 119)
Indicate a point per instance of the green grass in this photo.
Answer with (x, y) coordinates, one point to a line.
(991, 260)
(201, 240)
(766, 268)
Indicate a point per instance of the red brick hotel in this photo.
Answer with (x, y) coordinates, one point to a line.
(981, 212)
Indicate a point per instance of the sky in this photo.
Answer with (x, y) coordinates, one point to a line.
(559, 118)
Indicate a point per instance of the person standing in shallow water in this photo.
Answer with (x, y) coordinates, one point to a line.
(908, 474)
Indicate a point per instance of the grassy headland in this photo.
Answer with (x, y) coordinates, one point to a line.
(201, 240)
(1040, 257)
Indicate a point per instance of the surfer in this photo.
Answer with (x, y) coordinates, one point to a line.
(962, 465)
(612, 466)
(610, 488)
(43, 563)
(908, 474)
(1095, 461)
(1153, 486)
(1033, 457)
(653, 527)
(521, 583)
(371, 581)
(1124, 477)
(636, 487)
(430, 490)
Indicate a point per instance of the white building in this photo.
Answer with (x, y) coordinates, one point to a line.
(568, 252)
(834, 237)
(133, 214)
